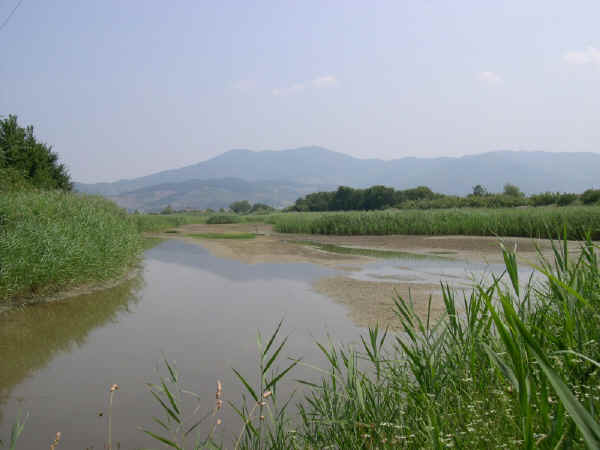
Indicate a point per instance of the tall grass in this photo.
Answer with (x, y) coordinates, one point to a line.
(517, 368)
(161, 222)
(51, 240)
(526, 222)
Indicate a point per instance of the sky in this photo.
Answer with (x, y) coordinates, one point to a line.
(122, 89)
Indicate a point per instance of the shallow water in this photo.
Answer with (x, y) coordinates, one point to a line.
(58, 360)
(420, 270)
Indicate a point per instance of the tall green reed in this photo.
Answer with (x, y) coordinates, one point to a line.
(50, 240)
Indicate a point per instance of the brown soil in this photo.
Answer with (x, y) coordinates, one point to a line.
(369, 302)
(372, 302)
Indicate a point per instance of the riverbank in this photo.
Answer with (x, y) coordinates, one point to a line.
(54, 241)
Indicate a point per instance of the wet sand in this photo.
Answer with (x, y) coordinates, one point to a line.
(368, 302)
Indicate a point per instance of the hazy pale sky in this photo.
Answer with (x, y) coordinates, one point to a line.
(125, 88)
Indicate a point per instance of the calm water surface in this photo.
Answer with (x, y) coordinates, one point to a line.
(58, 360)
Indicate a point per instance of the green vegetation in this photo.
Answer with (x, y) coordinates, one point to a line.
(218, 219)
(527, 222)
(382, 197)
(26, 162)
(244, 207)
(241, 207)
(51, 240)
(223, 235)
(160, 222)
(519, 368)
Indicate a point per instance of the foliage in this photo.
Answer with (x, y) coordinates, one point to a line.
(35, 161)
(479, 191)
(13, 180)
(591, 196)
(372, 198)
(512, 191)
(241, 207)
(160, 222)
(167, 210)
(509, 366)
(527, 222)
(51, 240)
(565, 199)
(544, 199)
(222, 219)
(261, 208)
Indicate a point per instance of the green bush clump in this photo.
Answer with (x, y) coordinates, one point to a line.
(591, 196)
(52, 239)
(218, 219)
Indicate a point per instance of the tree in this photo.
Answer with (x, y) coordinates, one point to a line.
(261, 207)
(35, 161)
(343, 199)
(479, 191)
(378, 197)
(512, 191)
(241, 207)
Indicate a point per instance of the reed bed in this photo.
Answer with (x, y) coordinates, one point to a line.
(160, 222)
(51, 240)
(507, 367)
(521, 222)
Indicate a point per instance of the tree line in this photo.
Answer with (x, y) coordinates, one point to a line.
(25, 162)
(422, 197)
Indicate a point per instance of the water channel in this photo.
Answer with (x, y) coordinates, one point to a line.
(58, 360)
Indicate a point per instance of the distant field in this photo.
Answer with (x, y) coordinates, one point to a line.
(161, 222)
(542, 222)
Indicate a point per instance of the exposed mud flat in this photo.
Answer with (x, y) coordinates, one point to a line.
(372, 302)
(369, 301)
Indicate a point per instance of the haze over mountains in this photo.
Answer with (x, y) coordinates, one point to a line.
(278, 178)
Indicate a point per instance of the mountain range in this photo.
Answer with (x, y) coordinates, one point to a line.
(277, 178)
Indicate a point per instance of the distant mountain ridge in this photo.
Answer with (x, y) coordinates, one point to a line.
(308, 169)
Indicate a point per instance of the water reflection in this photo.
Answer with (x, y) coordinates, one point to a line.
(198, 257)
(32, 336)
(57, 360)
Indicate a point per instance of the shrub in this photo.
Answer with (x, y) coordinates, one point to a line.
(591, 196)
